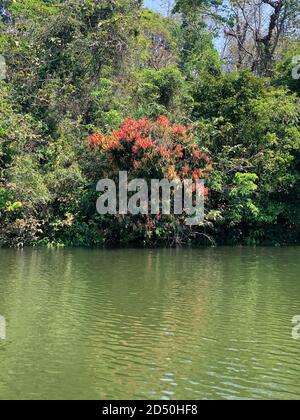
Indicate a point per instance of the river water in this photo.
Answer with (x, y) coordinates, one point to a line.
(150, 324)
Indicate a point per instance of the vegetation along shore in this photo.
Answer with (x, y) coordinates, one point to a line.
(91, 88)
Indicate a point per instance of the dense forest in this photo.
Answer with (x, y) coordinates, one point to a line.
(217, 81)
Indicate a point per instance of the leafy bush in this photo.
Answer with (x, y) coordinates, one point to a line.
(150, 150)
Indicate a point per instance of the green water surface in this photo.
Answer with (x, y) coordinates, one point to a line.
(150, 324)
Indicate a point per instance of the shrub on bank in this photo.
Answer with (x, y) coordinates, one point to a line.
(150, 150)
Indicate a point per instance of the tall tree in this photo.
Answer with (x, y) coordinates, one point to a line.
(256, 28)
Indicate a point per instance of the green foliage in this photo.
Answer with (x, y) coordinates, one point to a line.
(252, 131)
(77, 67)
(288, 70)
(33, 9)
(185, 6)
(163, 92)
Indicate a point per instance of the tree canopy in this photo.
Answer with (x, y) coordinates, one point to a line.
(226, 71)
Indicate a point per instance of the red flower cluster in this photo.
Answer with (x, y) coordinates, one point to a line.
(148, 148)
(151, 150)
(96, 140)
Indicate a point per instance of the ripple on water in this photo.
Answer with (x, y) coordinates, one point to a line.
(190, 324)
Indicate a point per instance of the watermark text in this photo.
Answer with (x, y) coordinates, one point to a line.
(178, 197)
(2, 328)
(296, 329)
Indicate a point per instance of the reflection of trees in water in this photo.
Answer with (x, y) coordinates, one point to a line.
(124, 323)
(153, 311)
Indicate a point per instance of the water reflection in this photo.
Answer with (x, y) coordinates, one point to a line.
(194, 323)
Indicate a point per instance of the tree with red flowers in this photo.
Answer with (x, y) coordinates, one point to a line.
(151, 150)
